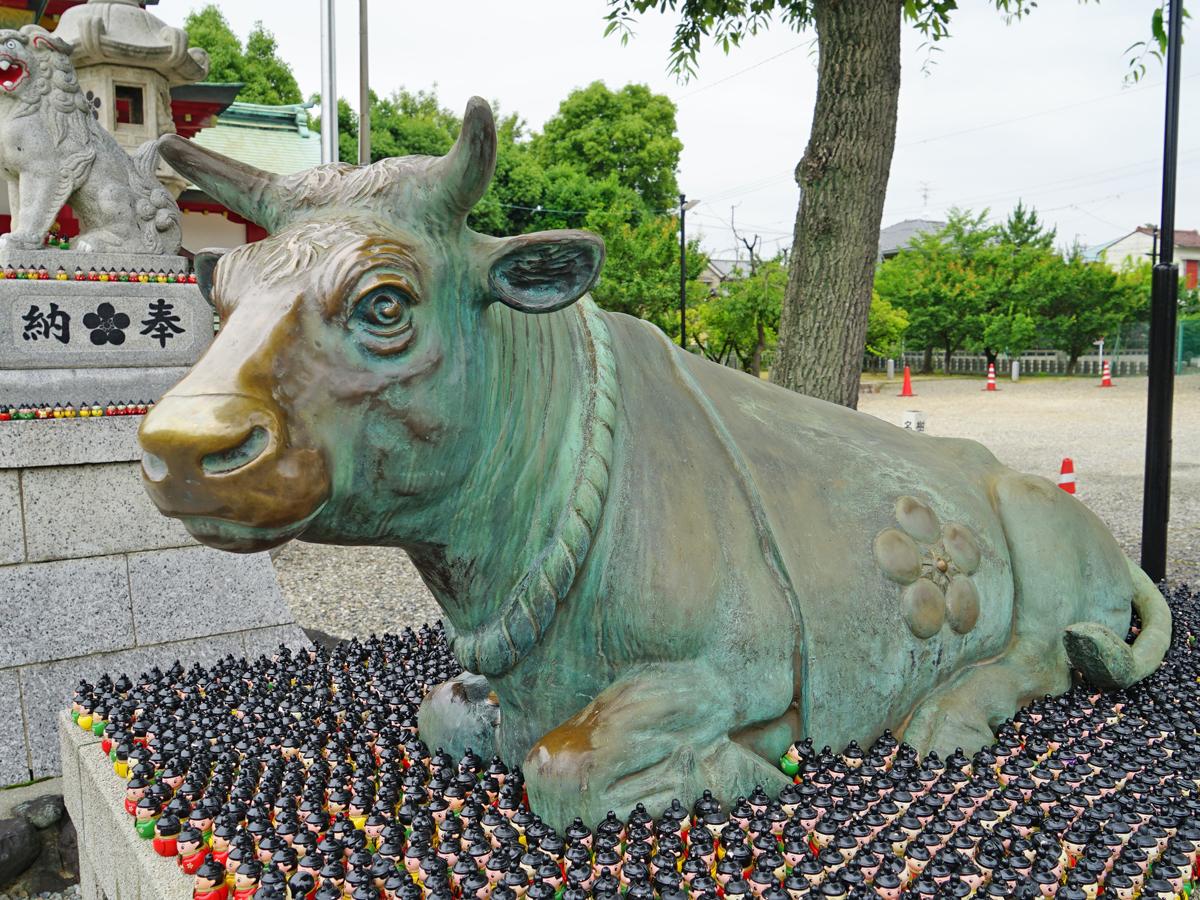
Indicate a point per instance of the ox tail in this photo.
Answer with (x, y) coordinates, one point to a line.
(1105, 660)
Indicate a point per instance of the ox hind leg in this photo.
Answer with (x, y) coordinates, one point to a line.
(661, 732)
(1067, 569)
(964, 713)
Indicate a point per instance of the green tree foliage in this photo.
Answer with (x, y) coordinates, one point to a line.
(629, 133)
(267, 78)
(1001, 289)
(1080, 302)
(641, 273)
(886, 326)
(208, 28)
(933, 281)
(742, 318)
(1023, 229)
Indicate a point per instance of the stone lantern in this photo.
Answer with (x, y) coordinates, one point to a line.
(127, 61)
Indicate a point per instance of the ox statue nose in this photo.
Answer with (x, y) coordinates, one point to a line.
(189, 438)
(225, 464)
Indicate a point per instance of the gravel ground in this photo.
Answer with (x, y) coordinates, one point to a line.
(1033, 424)
(71, 893)
(1030, 426)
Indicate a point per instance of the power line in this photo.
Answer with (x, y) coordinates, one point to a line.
(761, 62)
(764, 182)
(1063, 184)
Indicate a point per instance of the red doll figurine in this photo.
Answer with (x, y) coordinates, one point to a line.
(210, 882)
(193, 852)
(135, 790)
(166, 836)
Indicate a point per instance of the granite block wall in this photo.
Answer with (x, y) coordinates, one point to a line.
(93, 580)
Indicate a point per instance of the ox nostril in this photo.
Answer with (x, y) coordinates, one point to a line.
(243, 454)
(155, 467)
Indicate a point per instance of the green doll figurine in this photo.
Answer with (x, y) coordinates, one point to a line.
(146, 815)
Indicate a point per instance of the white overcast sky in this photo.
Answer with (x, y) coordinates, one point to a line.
(1035, 109)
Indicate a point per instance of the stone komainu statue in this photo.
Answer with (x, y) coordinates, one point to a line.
(53, 152)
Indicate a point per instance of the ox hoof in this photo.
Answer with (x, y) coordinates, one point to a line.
(459, 714)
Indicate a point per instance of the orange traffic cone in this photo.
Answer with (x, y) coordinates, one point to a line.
(1106, 376)
(991, 382)
(1066, 475)
(906, 389)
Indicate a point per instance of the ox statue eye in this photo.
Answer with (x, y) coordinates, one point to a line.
(385, 309)
(11, 45)
(384, 313)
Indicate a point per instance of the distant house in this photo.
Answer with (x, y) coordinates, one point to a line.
(895, 238)
(1142, 242)
(717, 272)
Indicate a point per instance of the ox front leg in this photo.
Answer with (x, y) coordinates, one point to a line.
(460, 714)
(658, 734)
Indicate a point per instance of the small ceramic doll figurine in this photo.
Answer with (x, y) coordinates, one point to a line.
(246, 881)
(135, 790)
(193, 851)
(210, 882)
(202, 821)
(222, 835)
(146, 817)
(358, 813)
(166, 836)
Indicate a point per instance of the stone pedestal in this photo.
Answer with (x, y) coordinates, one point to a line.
(114, 863)
(93, 578)
(84, 342)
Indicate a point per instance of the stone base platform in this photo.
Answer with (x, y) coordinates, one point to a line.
(114, 863)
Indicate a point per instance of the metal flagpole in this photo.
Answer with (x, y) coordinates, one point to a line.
(329, 137)
(364, 89)
(1164, 289)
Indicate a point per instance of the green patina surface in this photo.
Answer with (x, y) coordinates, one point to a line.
(658, 572)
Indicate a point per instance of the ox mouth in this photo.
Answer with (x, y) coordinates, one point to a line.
(12, 70)
(236, 537)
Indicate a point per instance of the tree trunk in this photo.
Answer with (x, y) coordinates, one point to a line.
(843, 179)
(949, 354)
(990, 356)
(927, 362)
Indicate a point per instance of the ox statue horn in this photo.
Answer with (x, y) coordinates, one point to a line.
(248, 191)
(466, 171)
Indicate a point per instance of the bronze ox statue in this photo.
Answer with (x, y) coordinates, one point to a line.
(658, 572)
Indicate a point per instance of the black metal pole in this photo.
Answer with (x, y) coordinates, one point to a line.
(682, 275)
(1164, 289)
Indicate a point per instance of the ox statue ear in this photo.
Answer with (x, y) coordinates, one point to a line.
(545, 271)
(206, 270)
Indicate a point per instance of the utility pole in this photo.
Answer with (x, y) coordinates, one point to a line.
(329, 103)
(1164, 302)
(684, 206)
(364, 89)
